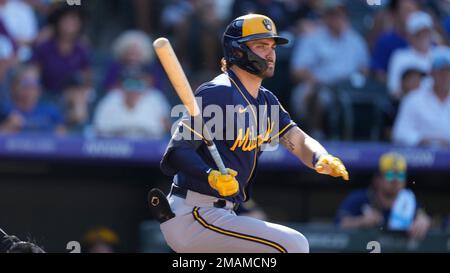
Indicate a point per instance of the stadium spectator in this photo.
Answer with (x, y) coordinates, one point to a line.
(147, 15)
(6, 62)
(330, 55)
(26, 112)
(135, 110)
(411, 78)
(271, 8)
(390, 40)
(424, 115)
(304, 16)
(409, 67)
(195, 27)
(100, 240)
(175, 15)
(198, 42)
(64, 54)
(133, 49)
(420, 30)
(19, 21)
(42, 8)
(76, 104)
(387, 203)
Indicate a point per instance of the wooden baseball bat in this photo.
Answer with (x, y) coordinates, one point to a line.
(177, 77)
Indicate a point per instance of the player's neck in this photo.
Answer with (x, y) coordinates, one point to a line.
(251, 82)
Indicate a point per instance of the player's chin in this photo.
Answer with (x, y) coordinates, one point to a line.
(270, 71)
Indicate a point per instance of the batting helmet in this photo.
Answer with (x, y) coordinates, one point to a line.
(248, 28)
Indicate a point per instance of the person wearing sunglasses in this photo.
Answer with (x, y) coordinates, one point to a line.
(387, 203)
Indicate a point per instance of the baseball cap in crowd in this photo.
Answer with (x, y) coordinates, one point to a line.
(414, 67)
(393, 167)
(101, 234)
(418, 21)
(440, 58)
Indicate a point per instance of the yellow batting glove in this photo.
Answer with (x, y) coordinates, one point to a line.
(225, 184)
(331, 165)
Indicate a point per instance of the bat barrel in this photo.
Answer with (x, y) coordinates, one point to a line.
(177, 77)
(160, 42)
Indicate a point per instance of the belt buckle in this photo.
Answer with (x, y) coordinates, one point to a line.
(220, 203)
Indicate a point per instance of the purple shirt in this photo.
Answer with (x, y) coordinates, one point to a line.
(57, 68)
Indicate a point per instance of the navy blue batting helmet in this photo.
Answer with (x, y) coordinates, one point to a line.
(248, 28)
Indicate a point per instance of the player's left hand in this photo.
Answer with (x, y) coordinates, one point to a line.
(331, 165)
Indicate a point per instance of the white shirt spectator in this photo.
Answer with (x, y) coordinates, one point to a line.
(20, 20)
(422, 115)
(145, 120)
(401, 61)
(330, 58)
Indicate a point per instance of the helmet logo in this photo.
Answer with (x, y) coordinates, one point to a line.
(267, 24)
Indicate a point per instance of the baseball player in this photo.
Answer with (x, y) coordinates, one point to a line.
(202, 198)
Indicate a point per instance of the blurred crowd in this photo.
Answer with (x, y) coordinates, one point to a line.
(352, 71)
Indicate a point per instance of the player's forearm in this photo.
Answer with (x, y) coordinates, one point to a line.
(353, 222)
(188, 162)
(302, 146)
(313, 149)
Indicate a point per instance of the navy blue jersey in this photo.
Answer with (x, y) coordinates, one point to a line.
(355, 203)
(254, 123)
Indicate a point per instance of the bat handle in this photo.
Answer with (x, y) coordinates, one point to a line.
(216, 157)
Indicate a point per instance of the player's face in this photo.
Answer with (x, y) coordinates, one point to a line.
(265, 48)
(392, 182)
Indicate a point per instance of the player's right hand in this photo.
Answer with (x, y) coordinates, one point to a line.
(225, 184)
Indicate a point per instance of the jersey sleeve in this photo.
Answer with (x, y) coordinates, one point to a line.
(188, 131)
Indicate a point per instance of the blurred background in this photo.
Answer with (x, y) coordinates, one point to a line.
(85, 118)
